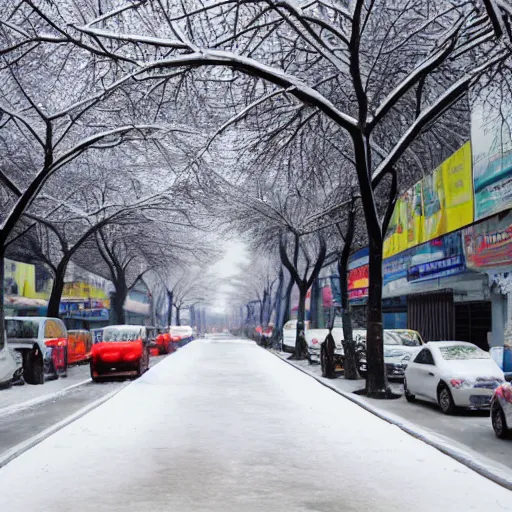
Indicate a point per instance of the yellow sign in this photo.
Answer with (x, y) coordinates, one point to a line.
(440, 203)
(81, 290)
(20, 280)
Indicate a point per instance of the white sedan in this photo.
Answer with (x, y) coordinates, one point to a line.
(501, 411)
(290, 334)
(452, 374)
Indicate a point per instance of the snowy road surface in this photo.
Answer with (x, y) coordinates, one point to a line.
(20, 425)
(226, 426)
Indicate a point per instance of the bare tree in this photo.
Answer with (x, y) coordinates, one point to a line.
(384, 74)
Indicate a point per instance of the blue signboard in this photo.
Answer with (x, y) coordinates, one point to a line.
(438, 258)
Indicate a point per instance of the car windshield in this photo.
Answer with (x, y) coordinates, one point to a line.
(406, 339)
(22, 329)
(121, 334)
(462, 352)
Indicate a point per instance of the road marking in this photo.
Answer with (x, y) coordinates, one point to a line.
(10, 409)
(22, 447)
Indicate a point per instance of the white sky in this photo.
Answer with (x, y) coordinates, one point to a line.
(235, 255)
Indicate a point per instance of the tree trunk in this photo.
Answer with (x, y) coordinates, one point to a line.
(287, 300)
(118, 300)
(314, 313)
(178, 315)
(376, 385)
(350, 365)
(56, 293)
(376, 378)
(170, 299)
(198, 321)
(192, 316)
(3, 341)
(278, 325)
(204, 319)
(300, 343)
(263, 307)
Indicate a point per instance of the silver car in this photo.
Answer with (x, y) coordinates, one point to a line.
(11, 367)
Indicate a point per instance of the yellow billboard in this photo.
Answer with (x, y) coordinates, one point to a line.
(438, 204)
(81, 290)
(20, 280)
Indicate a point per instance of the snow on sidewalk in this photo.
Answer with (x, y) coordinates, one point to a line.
(229, 427)
(18, 397)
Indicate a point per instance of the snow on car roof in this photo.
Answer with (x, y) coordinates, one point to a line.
(448, 343)
(125, 327)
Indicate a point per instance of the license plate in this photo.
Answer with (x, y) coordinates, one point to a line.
(479, 400)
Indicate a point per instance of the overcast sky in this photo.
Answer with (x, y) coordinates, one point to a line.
(236, 254)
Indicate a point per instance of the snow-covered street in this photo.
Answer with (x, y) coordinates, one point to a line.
(26, 411)
(225, 425)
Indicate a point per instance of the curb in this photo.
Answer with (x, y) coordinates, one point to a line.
(22, 447)
(41, 399)
(411, 429)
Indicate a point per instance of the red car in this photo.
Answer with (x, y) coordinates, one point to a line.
(123, 352)
(163, 343)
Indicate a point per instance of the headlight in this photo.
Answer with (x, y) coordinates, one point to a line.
(460, 383)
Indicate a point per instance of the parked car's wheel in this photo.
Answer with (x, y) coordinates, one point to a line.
(93, 377)
(33, 367)
(498, 422)
(408, 395)
(6, 385)
(142, 367)
(445, 399)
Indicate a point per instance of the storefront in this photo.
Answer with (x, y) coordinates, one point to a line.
(86, 314)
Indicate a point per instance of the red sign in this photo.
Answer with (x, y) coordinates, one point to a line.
(358, 278)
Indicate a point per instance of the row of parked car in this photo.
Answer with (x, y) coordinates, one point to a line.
(38, 349)
(452, 374)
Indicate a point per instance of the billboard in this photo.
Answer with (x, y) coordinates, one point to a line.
(492, 157)
(488, 244)
(358, 277)
(20, 280)
(440, 203)
(437, 258)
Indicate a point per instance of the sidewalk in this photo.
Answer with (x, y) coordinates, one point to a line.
(468, 437)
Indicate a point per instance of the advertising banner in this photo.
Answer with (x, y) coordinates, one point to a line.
(488, 244)
(20, 280)
(492, 157)
(358, 277)
(435, 259)
(440, 203)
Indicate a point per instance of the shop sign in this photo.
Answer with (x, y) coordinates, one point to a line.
(492, 157)
(488, 244)
(358, 278)
(436, 269)
(440, 203)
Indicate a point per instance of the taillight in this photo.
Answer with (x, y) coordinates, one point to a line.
(56, 342)
(176, 338)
